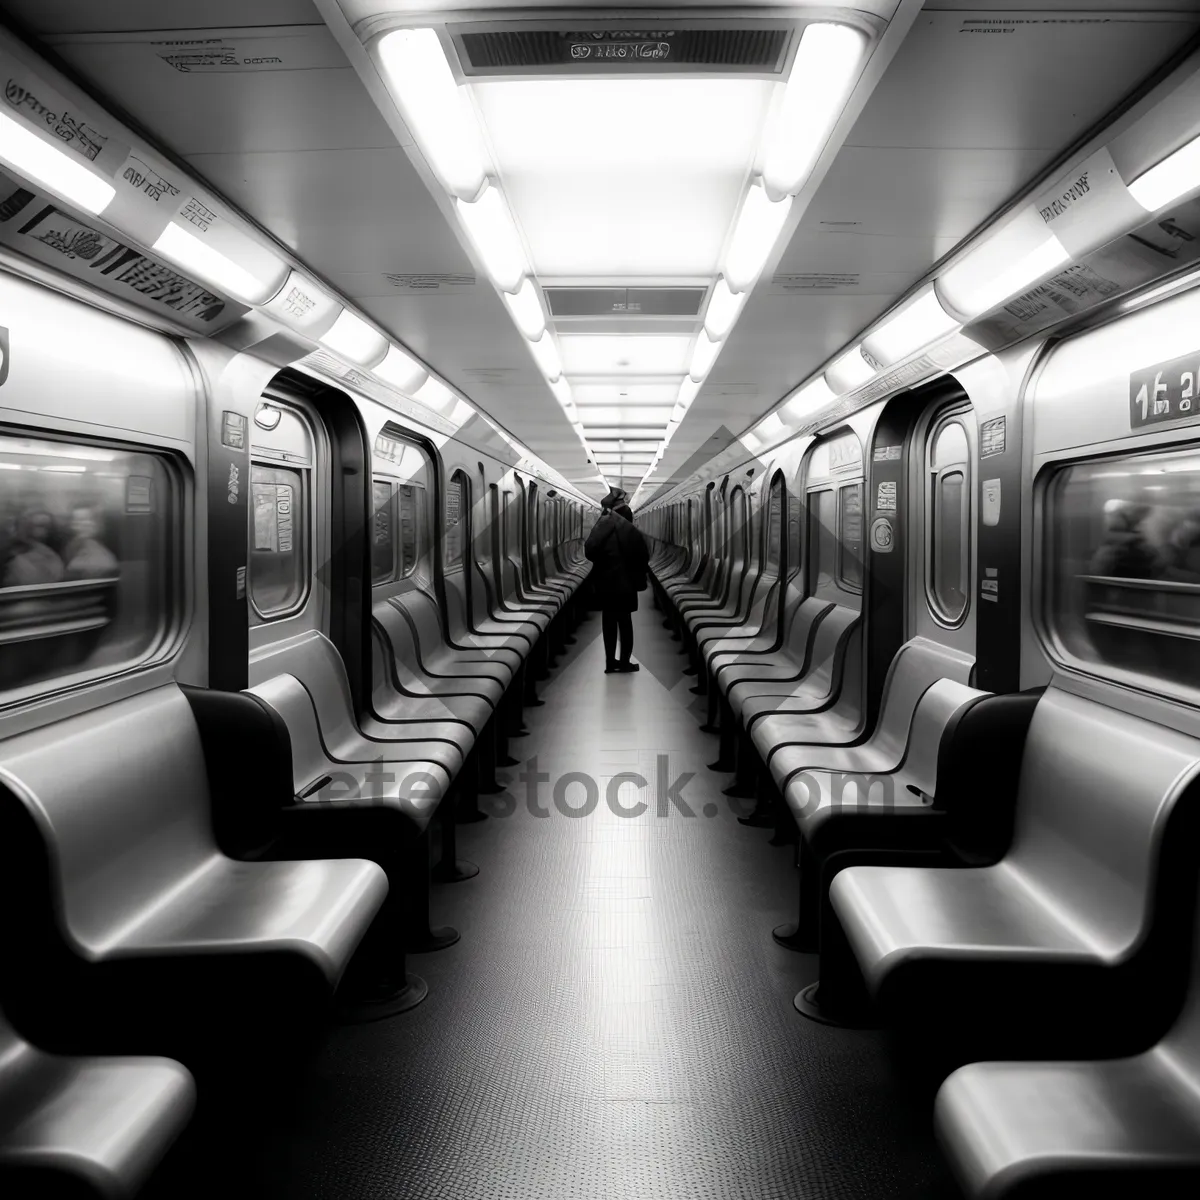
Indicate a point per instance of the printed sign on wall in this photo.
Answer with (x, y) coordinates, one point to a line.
(1164, 392)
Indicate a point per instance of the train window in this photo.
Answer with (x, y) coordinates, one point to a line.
(383, 532)
(1122, 564)
(278, 566)
(850, 568)
(88, 566)
(822, 539)
(411, 504)
(775, 526)
(948, 520)
(456, 504)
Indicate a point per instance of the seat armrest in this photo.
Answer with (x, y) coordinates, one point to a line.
(978, 769)
(248, 757)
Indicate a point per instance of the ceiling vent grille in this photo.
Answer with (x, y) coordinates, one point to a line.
(759, 49)
(625, 302)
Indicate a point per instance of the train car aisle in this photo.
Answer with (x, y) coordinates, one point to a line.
(616, 1022)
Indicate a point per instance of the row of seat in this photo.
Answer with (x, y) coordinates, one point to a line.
(1012, 877)
(186, 868)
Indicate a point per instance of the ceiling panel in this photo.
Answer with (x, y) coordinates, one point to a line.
(1039, 86)
(597, 354)
(624, 177)
(320, 106)
(63, 16)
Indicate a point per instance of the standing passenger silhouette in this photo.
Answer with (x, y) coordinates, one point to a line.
(620, 557)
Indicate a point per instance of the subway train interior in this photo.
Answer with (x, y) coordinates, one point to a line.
(599, 604)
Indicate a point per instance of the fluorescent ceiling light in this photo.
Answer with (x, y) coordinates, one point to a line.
(759, 223)
(433, 393)
(909, 330)
(723, 309)
(610, 354)
(848, 372)
(526, 310)
(636, 445)
(812, 396)
(688, 391)
(461, 413)
(545, 354)
(490, 227)
(823, 73)
(195, 256)
(704, 355)
(1167, 181)
(1005, 263)
(633, 432)
(604, 414)
(770, 426)
(401, 370)
(60, 171)
(562, 392)
(750, 441)
(435, 108)
(620, 176)
(351, 338)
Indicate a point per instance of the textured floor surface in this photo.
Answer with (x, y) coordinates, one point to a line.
(616, 1022)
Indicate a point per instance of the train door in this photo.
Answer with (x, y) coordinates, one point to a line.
(833, 552)
(289, 522)
(941, 519)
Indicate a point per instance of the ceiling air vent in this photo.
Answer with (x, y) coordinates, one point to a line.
(625, 302)
(759, 47)
(406, 282)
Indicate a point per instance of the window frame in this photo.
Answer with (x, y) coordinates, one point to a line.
(841, 578)
(932, 517)
(179, 604)
(1045, 552)
(307, 530)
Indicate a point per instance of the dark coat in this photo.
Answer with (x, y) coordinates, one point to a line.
(619, 555)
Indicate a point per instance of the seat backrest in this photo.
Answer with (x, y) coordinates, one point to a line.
(289, 698)
(835, 625)
(312, 659)
(457, 621)
(934, 712)
(918, 665)
(1096, 788)
(120, 795)
(422, 609)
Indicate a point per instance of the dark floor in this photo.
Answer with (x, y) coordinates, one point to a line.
(616, 1022)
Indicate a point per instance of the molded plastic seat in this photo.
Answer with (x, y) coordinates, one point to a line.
(732, 664)
(95, 1126)
(108, 827)
(438, 657)
(908, 756)
(918, 665)
(1053, 935)
(835, 640)
(1104, 1129)
(413, 788)
(312, 659)
(400, 694)
(439, 674)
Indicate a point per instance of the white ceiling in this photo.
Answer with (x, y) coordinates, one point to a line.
(960, 121)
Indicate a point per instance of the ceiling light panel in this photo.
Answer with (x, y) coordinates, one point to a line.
(605, 354)
(625, 395)
(608, 415)
(621, 177)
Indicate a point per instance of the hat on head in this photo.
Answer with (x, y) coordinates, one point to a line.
(615, 496)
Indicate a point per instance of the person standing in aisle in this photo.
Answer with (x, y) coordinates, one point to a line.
(620, 557)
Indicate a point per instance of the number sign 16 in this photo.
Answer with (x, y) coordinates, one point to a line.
(1164, 392)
